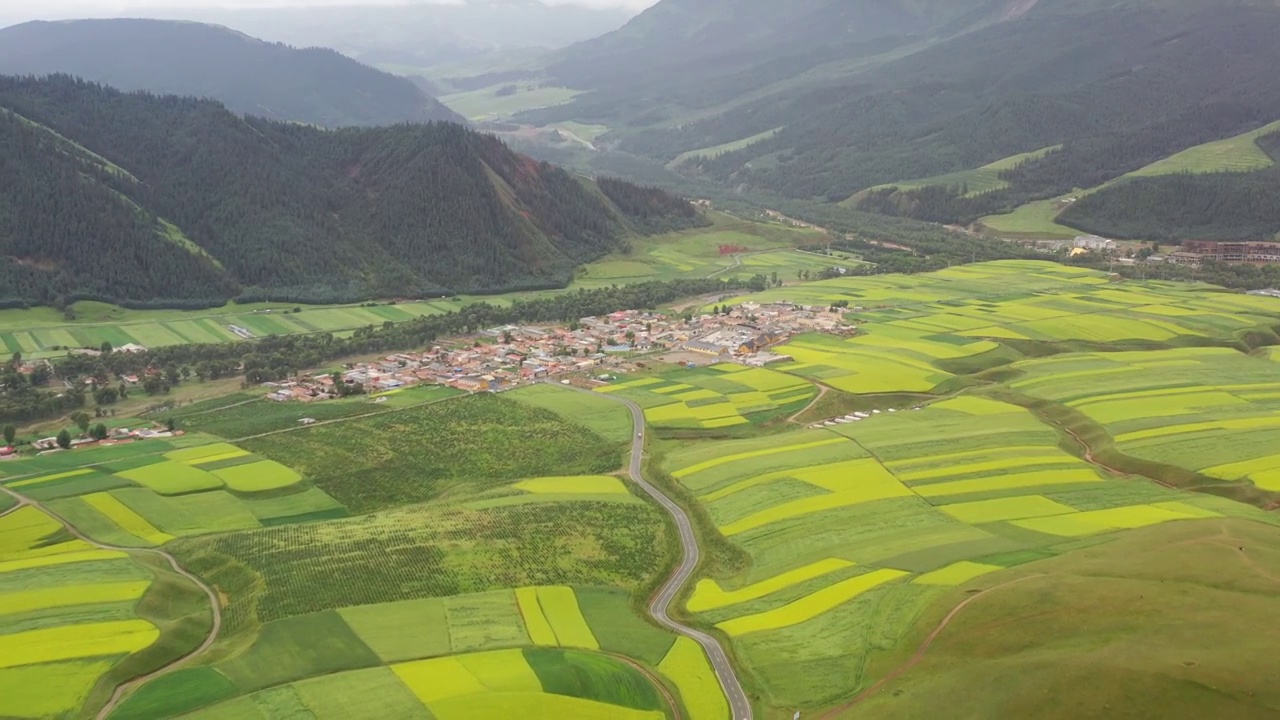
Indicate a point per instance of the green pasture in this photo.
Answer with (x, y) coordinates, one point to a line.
(1135, 622)
(1037, 219)
(855, 530)
(722, 396)
(767, 248)
(716, 151)
(1236, 154)
(978, 181)
(487, 104)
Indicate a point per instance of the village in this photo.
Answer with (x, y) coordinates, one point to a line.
(501, 358)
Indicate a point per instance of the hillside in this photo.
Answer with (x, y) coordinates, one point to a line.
(314, 85)
(824, 100)
(134, 197)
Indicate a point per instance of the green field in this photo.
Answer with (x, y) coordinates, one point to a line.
(1237, 154)
(487, 104)
(718, 150)
(74, 615)
(722, 396)
(484, 556)
(978, 181)
(1037, 219)
(1133, 626)
(768, 248)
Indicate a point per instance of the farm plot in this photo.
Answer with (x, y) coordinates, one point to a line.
(1209, 410)
(846, 552)
(606, 418)
(884, 359)
(698, 253)
(280, 572)
(706, 398)
(468, 445)
(66, 615)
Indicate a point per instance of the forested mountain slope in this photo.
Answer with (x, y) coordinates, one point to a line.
(839, 97)
(143, 198)
(315, 85)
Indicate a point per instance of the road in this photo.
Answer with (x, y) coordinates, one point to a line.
(660, 604)
(214, 604)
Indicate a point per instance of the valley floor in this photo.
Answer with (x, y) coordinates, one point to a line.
(1013, 469)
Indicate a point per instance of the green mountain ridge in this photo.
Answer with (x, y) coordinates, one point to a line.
(313, 85)
(142, 198)
(872, 94)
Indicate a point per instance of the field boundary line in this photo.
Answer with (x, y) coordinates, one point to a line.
(924, 647)
(660, 603)
(214, 604)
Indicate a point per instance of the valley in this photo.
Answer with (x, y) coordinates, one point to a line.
(651, 360)
(986, 435)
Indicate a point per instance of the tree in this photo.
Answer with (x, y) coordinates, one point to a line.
(64, 439)
(171, 424)
(10, 432)
(107, 347)
(99, 432)
(82, 420)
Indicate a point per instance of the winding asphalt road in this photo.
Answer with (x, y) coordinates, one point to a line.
(660, 604)
(214, 604)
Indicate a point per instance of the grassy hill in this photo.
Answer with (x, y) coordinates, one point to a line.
(113, 201)
(1188, 194)
(1124, 645)
(314, 85)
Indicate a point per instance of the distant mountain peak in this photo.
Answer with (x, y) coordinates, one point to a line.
(312, 85)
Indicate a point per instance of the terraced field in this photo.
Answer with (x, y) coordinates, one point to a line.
(484, 556)
(722, 396)
(74, 616)
(476, 590)
(1210, 410)
(853, 532)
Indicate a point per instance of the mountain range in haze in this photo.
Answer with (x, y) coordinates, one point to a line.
(315, 85)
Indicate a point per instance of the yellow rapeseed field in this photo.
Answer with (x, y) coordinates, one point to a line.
(69, 595)
(1000, 509)
(1009, 482)
(75, 641)
(560, 606)
(535, 622)
(687, 666)
(810, 606)
(47, 478)
(715, 462)
(708, 595)
(48, 690)
(128, 520)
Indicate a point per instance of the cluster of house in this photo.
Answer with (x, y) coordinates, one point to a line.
(114, 437)
(1195, 252)
(505, 357)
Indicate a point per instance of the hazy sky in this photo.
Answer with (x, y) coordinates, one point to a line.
(19, 10)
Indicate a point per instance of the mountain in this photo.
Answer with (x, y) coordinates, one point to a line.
(827, 99)
(315, 86)
(418, 36)
(143, 198)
